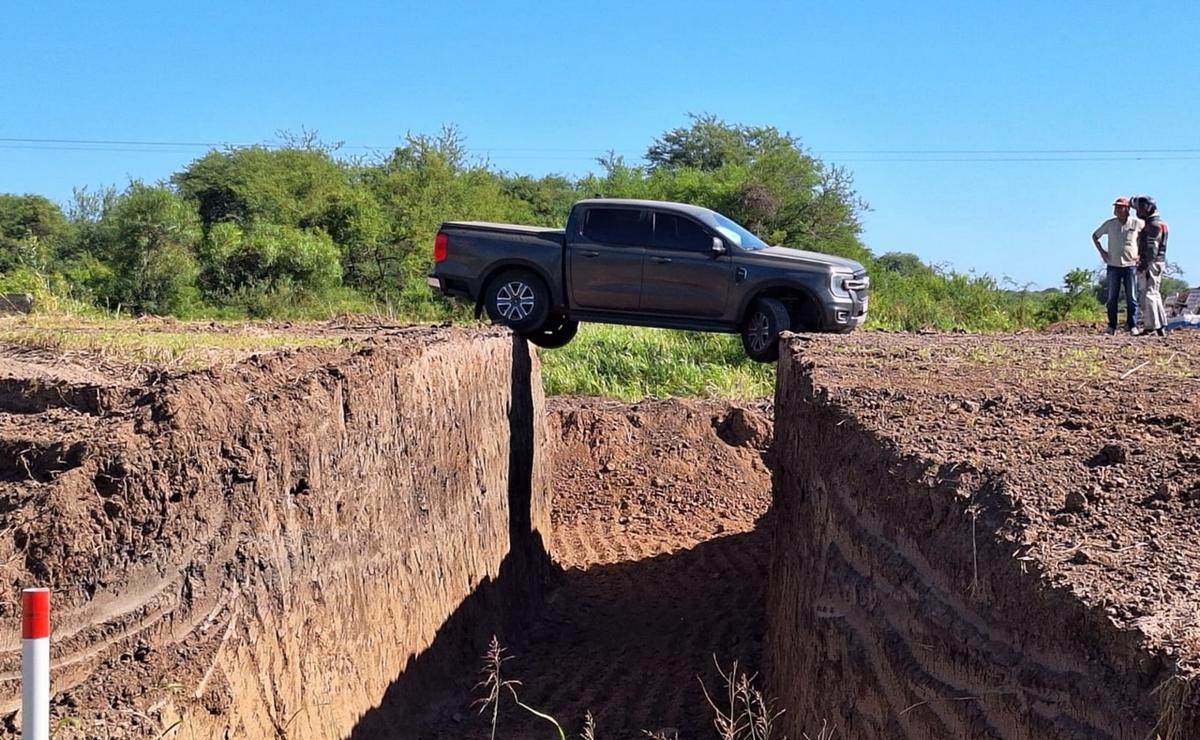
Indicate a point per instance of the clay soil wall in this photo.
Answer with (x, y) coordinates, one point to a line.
(905, 598)
(307, 544)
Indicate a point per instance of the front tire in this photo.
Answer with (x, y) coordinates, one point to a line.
(760, 332)
(517, 299)
(555, 333)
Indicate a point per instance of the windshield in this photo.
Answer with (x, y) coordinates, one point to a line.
(736, 233)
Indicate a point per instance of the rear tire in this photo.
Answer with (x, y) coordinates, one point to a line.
(555, 333)
(517, 299)
(760, 331)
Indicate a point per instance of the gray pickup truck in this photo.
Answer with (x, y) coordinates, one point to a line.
(646, 263)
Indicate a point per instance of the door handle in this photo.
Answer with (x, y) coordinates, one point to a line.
(589, 254)
(660, 260)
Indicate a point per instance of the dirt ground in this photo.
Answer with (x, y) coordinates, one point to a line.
(660, 522)
(1036, 497)
(1098, 438)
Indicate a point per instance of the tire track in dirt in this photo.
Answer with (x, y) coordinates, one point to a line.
(665, 567)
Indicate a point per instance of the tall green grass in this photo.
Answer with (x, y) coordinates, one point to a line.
(631, 363)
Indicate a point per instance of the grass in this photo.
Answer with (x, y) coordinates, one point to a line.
(169, 343)
(622, 362)
(631, 363)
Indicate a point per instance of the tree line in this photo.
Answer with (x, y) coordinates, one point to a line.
(299, 230)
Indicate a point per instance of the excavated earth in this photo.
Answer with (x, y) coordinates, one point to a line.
(966, 536)
(987, 537)
(273, 546)
(320, 541)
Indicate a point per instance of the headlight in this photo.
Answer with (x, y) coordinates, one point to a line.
(844, 284)
(838, 284)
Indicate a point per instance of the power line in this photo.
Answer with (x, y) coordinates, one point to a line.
(581, 154)
(138, 142)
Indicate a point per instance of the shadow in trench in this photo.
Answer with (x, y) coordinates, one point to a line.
(629, 642)
(500, 606)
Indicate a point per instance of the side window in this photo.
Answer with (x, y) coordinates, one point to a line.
(627, 226)
(678, 232)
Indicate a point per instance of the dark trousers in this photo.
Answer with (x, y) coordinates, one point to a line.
(1118, 277)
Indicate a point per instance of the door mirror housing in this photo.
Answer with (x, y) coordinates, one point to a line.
(718, 246)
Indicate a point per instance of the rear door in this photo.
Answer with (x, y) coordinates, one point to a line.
(605, 258)
(682, 276)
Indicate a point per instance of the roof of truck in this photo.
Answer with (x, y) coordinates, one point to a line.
(631, 202)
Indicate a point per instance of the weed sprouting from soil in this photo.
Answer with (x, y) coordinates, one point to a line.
(744, 712)
(740, 712)
(494, 686)
(1175, 695)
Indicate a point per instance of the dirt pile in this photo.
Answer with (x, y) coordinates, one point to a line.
(264, 549)
(987, 537)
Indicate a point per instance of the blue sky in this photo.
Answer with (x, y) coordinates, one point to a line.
(1081, 101)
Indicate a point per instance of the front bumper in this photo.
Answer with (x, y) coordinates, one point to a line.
(848, 309)
(844, 315)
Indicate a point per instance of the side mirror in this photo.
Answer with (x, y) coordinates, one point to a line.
(718, 246)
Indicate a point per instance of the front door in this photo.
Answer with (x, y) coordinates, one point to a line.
(605, 260)
(682, 275)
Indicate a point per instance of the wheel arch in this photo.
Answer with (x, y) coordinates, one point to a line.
(802, 304)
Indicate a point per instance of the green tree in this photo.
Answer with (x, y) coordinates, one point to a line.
(290, 186)
(757, 175)
(148, 238)
(421, 184)
(1076, 300)
(543, 201)
(267, 258)
(33, 230)
(903, 263)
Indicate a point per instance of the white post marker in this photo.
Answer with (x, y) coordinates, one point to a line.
(35, 664)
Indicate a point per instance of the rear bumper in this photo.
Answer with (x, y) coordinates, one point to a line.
(448, 286)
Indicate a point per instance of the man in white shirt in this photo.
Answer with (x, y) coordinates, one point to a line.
(1121, 257)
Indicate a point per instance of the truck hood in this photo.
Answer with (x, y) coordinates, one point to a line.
(800, 257)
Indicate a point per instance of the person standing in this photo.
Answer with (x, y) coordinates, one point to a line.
(1152, 261)
(1121, 258)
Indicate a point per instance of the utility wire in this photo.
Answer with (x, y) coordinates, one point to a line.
(580, 154)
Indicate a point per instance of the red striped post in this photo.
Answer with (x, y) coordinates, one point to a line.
(35, 664)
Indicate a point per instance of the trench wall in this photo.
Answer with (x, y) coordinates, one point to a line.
(292, 547)
(897, 607)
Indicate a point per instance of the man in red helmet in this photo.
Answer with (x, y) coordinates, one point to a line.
(1121, 257)
(1152, 261)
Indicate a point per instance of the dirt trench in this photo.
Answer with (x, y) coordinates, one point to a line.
(319, 543)
(661, 526)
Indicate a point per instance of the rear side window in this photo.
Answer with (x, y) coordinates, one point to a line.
(681, 233)
(628, 226)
